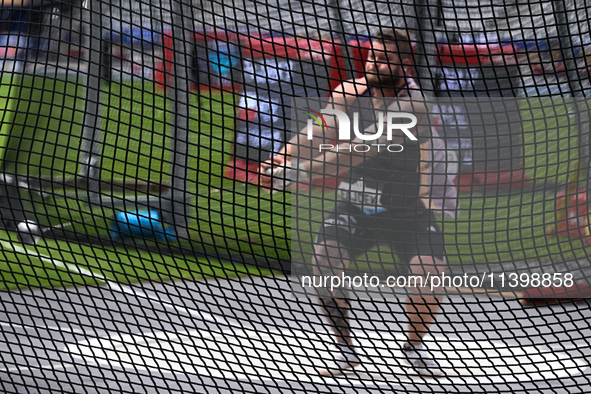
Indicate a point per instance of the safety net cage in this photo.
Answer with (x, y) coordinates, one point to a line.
(278, 196)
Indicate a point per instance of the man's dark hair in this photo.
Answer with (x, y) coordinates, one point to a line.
(400, 37)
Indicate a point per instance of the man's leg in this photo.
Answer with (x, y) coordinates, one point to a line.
(331, 259)
(421, 309)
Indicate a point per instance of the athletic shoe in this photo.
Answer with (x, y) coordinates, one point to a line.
(28, 232)
(419, 358)
(344, 362)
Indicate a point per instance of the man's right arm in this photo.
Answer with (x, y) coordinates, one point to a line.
(300, 145)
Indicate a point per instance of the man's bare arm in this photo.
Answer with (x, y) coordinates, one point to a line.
(343, 96)
(300, 146)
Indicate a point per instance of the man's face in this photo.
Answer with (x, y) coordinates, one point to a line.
(384, 66)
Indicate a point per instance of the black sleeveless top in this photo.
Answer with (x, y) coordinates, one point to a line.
(388, 183)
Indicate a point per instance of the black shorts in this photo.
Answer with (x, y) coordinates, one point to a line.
(358, 233)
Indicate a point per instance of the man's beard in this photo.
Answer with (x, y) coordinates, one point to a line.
(384, 80)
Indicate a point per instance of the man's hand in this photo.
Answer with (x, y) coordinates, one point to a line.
(282, 176)
(266, 168)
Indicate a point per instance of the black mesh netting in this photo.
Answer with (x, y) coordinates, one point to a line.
(294, 196)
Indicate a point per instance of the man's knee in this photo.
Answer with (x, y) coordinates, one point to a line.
(423, 265)
(330, 258)
(335, 306)
(427, 266)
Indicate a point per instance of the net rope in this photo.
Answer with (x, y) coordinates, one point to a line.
(139, 251)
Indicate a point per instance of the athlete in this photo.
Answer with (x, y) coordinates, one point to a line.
(380, 197)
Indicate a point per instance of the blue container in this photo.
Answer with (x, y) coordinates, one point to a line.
(144, 224)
